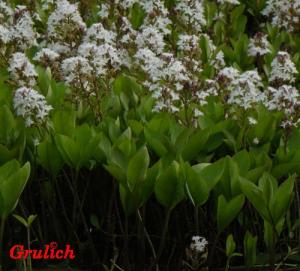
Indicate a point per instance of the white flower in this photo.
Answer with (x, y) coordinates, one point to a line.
(100, 57)
(284, 13)
(188, 42)
(197, 113)
(76, 71)
(150, 37)
(218, 62)
(23, 32)
(198, 244)
(5, 35)
(228, 74)
(245, 90)
(284, 98)
(6, 12)
(233, 2)
(127, 3)
(161, 23)
(252, 121)
(46, 54)
(282, 68)
(31, 105)
(59, 48)
(46, 4)
(150, 63)
(65, 22)
(127, 32)
(36, 142)
(256, 141)
(99, 35)
(192, 13)
(259, 45)
(176, 71)
(104, 10)
(21, 70)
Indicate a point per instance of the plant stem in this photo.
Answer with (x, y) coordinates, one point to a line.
(148, 237)
(197, 219)
(82, 216)
(163, 239)
(272, 253)
(28, 245)
(227, 264)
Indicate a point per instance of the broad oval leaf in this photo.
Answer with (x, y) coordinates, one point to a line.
(137, 167)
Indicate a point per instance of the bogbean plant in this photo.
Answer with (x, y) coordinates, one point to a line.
(160, 134)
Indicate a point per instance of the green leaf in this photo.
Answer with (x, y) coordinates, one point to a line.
(155, 141)
(30, 219)
(269, 237)
(210, 173)
(117, 172)
(230, 245)
(68, 149)
(196, 187)
(118, 158)
(250, 249)
(137, 15)
(8, 169)
(268, 184)
(227, 211)
(148, 185)
(64, 122)
(49, 157)
(195, 143)
(21, 220)
(243, 162)
(11, 187)
(169, 189)
(282, 199)
(7, 124)
(137, 167)
(128, 202)
(256, 197)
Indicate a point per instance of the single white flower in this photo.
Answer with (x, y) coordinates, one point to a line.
(256, 141)
(252, 121)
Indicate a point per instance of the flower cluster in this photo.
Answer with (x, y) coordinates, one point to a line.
(284, 13)
(283, 70)
(196, 254)
(31, 105)
(76, 72)
(27, 102)
(259, 45)
(192, 13)
(46, 55)
(22, 71)
(23, 32)
(17, 27)
(65, 27)
(198, 244)
(245, 90)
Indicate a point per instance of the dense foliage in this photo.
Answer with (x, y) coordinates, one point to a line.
(151, 134)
